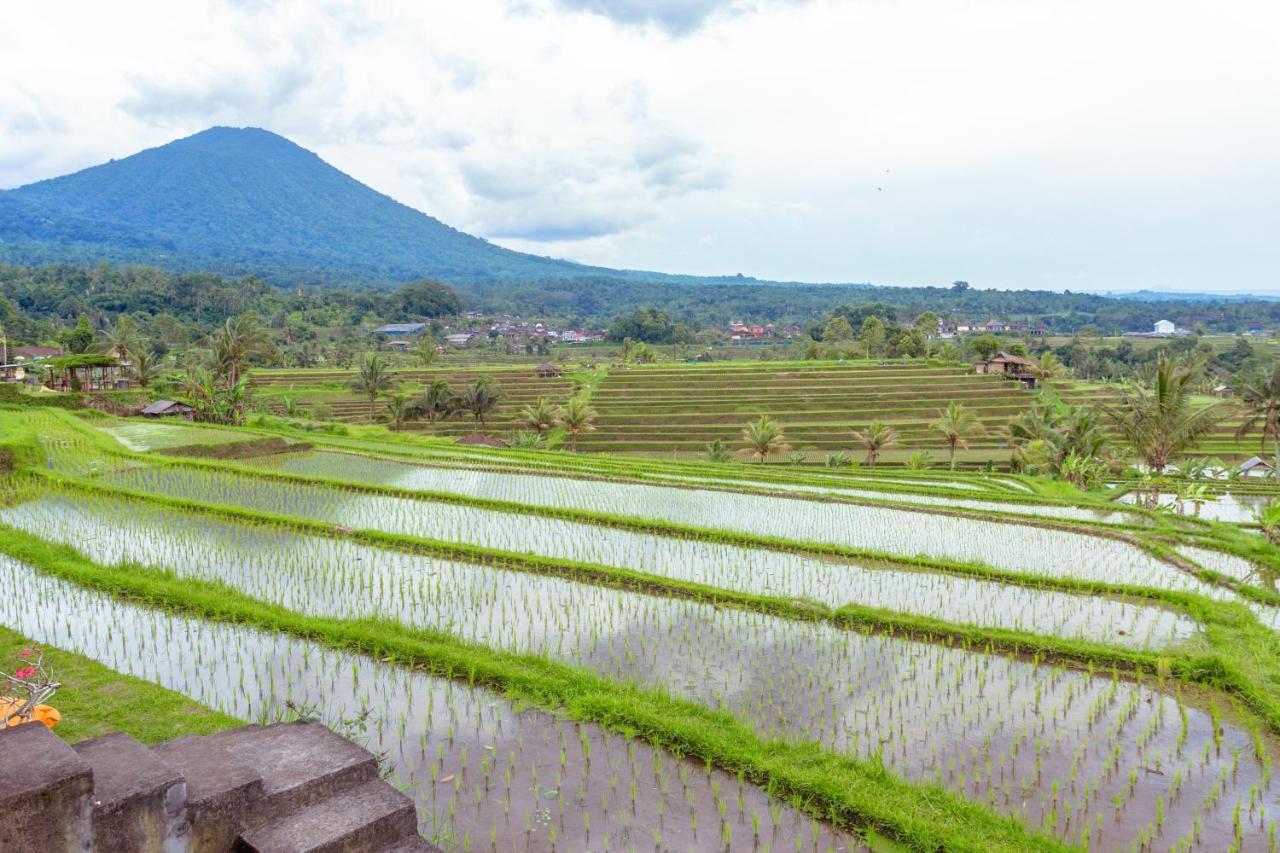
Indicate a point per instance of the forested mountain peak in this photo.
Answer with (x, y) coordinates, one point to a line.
(246, 200)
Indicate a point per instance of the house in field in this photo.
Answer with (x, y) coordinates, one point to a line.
(1256, 466)
(13, 372)
(1009, 366)
(547, 370)
(1160, 329)
(168, 409)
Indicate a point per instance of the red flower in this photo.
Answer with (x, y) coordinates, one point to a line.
(24, 654)
(25, 672)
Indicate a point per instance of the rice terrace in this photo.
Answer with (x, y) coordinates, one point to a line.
(618, 426)
(572, 650)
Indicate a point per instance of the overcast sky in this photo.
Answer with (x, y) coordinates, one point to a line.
(1081, 144)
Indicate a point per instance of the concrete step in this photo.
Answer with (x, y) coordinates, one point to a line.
(368, 818)
(223, 789)
(300, 763)
(139, 800)
(45, 792)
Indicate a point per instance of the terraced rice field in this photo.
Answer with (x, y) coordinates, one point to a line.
(676, 409)
(520, 386)
(627, 654)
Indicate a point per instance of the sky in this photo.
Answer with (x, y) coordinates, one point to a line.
(1060, 144)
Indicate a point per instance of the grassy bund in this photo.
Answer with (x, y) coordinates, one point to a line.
(916, 660)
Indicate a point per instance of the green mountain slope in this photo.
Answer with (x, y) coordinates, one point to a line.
(244, 200)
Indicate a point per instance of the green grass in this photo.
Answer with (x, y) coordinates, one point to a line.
(95, 700)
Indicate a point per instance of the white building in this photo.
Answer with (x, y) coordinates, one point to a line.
(1165, 327)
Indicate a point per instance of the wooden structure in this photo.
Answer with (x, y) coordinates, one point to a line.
(547, 370)
(86, 372)
(1009, 366)
(167, 409)
(1256, 466)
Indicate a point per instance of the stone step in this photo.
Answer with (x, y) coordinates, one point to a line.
(300, 763)
(139, 800)
(369, 818)
(223, 789)
(45, 793)
(417, 844)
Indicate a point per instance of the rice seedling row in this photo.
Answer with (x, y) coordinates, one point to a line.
(485, 774)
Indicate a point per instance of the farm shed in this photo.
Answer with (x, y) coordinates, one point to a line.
(1009, 366)
(1256, 466)
(167, 408)
(547, 370)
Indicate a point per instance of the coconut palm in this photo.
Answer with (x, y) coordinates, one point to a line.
(1049, 367)
(876, 439)
(539, 417)
(398, 411)
(1159, 423)
(438, 402)
(957, 425)
(121, 340)
(235, 342)
(427, 350)
(374, 378)
(764, 438)
(145, 366)
(718, 451)
(1261, 398)
(481, 398)
(576, 417)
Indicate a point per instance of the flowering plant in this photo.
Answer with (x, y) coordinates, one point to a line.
(27, 688)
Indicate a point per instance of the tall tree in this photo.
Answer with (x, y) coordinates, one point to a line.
(957, 425)
(121, 339)
(235, 342)
(876, 439)
(438, 402)
(764, 438)
(576, 417)
(872, 335)
(373, 379)
(144, 367)
(481, 398)
(1261, 399)
(539, 417)
(1160, 422)
(426, 350)
(398, 411)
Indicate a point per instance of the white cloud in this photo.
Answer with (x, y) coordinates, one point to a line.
(1010, 143)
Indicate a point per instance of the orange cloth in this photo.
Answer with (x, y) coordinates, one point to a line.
(42, 713)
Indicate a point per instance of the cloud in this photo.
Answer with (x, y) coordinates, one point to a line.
(532, 193)
(224, 97)
(676, 17)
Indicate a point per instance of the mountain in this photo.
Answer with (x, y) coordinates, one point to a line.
(247, 201)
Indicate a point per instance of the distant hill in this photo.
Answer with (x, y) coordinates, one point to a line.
(247, 201)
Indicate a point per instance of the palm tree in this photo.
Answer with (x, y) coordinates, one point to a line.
(1159, 423)
(145, 366)
(539, 417)
(398, 411)
(1261, 398)
(764, 438)
(437, 403)
(576, 417)
(121, 340)
(957, 425)
(373, 379)
(876, 439)
(481, 398)
(427, 350)
(235, 342)
(1049, 367)
(718, 451)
